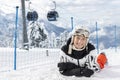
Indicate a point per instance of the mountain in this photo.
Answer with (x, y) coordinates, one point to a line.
(7, 26)
(106, 34)
(53, 28)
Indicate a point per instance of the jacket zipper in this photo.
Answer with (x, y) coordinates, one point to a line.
(78, 62)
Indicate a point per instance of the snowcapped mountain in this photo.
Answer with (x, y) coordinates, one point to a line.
(53, 28)
(7, 25)
(106, 34)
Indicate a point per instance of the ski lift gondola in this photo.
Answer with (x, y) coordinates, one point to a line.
(52, 15)
(32, 15)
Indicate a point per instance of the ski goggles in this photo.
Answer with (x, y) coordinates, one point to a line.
(82, 32)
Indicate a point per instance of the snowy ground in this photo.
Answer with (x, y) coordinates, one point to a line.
(47, 68)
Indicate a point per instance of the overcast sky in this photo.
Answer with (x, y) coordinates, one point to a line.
(84, 12)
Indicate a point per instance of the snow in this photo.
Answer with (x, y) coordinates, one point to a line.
(36, 65)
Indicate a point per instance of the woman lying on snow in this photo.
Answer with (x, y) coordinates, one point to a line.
(79, 57)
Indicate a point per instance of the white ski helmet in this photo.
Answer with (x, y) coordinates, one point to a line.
(79, 30)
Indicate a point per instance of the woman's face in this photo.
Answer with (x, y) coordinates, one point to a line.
(79, 41)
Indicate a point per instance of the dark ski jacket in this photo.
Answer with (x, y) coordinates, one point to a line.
(79, 63)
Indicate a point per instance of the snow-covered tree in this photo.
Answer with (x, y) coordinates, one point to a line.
(36, 34)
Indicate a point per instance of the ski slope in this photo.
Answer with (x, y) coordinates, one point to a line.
(45, 67)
